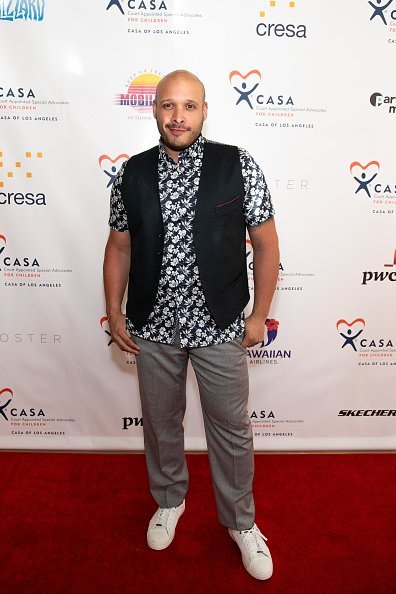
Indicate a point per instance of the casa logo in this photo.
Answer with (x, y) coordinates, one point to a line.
(16, 172)
(19, 260)
(16, 93)
(375, 350)
(369, 183)
(370, 276)
(14, 10)
(271, 109)
(130, 422)
(271, 25)
(140, 92)
(8, 411)
(261, 354)
(110, 166)
(120, 5)
(104, 324)
(246, 87)
(388, 102)
(382, 10)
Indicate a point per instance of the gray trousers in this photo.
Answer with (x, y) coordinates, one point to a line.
(222, 376)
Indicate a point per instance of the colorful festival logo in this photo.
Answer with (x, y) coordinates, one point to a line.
(111, 166)
(140, 93)
(6, 395)
(350, 331)
(13, 10)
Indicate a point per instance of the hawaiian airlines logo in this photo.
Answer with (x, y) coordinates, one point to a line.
(269, 28)
(104, 324)
(380, 10)
(272, 331)
(13, 10)
(378, 99)
(6, 395)
(350, 331)
(140, 93)
(246, 85)
(375, 276)
(111, 166)
(364, 175)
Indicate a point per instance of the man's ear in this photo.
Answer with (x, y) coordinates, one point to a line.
(205, 111)
(155, 109)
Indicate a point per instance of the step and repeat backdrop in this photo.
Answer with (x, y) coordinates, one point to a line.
(309, 89)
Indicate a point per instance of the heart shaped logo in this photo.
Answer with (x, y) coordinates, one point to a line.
(349, 328)
(237, 79)
(369, 169)
(108, 164)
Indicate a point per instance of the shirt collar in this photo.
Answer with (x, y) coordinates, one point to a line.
(193, 151)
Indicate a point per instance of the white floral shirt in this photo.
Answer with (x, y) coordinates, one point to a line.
(180, 303)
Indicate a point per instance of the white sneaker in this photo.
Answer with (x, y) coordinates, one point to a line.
(162, 526)
(255, 554)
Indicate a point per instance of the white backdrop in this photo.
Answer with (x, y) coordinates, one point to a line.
(317, 110)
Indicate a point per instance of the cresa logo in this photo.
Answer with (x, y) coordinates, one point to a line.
(141, 92)
(350, 331)
(245, 84)
(3, 243)
(20, 167)
(364, 174)
(111, 166)
(278, 29)
(104, 324)
(6, 395)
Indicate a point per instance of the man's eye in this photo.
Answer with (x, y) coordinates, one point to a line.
(190, 106)
(167, 105)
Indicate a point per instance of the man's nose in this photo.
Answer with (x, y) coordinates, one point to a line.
(178, 115)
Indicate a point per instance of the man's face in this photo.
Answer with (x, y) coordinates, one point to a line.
(180, 112)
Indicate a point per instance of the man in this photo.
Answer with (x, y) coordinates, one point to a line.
(178, 222)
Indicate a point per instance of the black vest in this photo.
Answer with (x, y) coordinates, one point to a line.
(219, 233)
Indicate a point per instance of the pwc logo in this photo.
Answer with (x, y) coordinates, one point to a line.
(110, 167)
(375, 276)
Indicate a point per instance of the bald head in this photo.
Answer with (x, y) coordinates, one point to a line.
(179, 76)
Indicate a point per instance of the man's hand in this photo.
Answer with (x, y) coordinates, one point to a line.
(117, 324)
(254, 331)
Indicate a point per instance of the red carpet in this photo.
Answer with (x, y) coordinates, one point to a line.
(76, 523)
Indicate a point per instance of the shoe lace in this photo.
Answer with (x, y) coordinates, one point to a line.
(254, 541)
(163, 516)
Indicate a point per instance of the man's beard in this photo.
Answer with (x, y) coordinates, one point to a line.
(179, 147)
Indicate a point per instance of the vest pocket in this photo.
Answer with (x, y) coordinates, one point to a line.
(231, 205)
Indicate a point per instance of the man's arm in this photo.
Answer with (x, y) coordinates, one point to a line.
(265, 272)
(115, 275)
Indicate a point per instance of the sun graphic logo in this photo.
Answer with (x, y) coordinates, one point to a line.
(141, 92)
(110, 167)
(6, 395)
